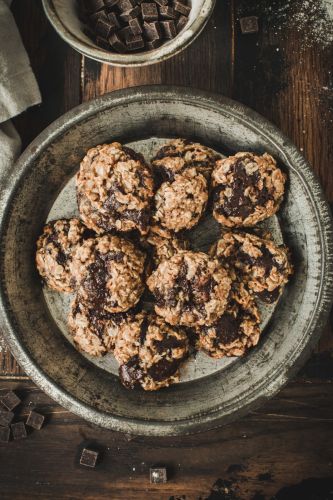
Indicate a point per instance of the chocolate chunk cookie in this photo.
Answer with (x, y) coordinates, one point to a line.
(236, 330)
(149, 352)
(246, 189)
(114, 189)
(163, 244)
(94, 331)
(264, 266)
(54, 251)
(180, 154)
(180, 203)
(108, 273)
(190, 289)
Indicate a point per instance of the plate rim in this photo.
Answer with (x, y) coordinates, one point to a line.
(292, 157)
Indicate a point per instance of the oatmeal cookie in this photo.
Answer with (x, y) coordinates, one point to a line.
(246, 189)
(149, 352)
(94, 331)
(54, 251)
(263, 265)
(114, 189)
(190, 289)
(179, 154)
(181, 202)
(236, 330)
(108, 273)
(163, 243)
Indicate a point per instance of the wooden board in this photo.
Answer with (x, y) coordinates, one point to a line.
(290, 438)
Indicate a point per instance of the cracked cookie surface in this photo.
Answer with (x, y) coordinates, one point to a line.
(114, 189)
(236, 331)
(190, 289)
(180, 154)
(180, 203)
(264, 266)
(247, 189)
(149, 352)
(108, 273)
(55, 249)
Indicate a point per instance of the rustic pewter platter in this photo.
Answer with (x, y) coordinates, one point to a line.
(40, 187)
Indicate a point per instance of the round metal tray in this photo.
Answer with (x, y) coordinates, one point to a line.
(211, 393)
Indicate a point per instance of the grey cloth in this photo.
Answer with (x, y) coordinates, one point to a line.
(18, 87)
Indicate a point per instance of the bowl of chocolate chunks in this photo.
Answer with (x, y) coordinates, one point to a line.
(129, 32)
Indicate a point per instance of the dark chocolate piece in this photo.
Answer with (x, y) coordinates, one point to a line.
(152, 31)
(182, 8)
(167, 12)
(95, 5)
(10, 400)
(181, 23)
(149, 11)
(125, 33)
(161, 2)
(249, 25)
(135, 42)
(6, 417)
(88, 458)
(35, 420)
(113, 20)
(130, 14)
(125, 5)
(4, 434)
(116, 43)
(135, 26)
(98, 15)
(110, 3)
(101, 42)
(103, 29)
(153, 44)
(158, 476)
(168, 29)
(19, 430)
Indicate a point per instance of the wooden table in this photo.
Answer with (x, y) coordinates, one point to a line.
(290, 439)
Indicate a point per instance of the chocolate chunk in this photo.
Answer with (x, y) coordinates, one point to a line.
(135, 42)
(130, 14)
(6, 417)
(249, 25)
(4, 434)
(98, 15)
(167, 12)
(158, 476)
(110, 3)
(149, 11)
(182, 8)
(153, 44)
(95, 5)
(88, 458)
(125, 33)
(181, 23)
(269, 297)
(135, 26)
(161, 2)
(113, 20)
(130, 373)
(125, 5)
(10, 400)
(101, 42)
(152, 31)
(19, 430)
(35, 420)
(103, 28)
(168, 29)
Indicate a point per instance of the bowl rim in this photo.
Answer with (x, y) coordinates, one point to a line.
(209, 420)
(166, 51)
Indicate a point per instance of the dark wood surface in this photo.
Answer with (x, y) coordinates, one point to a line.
(289, 441)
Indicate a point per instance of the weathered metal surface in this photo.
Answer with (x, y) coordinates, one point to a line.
(29, 192)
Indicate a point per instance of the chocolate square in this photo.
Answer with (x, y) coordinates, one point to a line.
(135, 26)
(161, 2)
(249, 25)
(135, 42)
(35, 420)
(19, 430)
(153, 44)
(102, 43)
(125, 5)
(113, 20)
(6, 417)
(88, 458)
(167, 12)
(152, 31)
(149, 11)
(4, 434)
(116, 43)
(168, 29)
(158, 476)
(10, 400)
(181, 23)
(98, 15)
(182, 8)
(104, 29)
(130, 14)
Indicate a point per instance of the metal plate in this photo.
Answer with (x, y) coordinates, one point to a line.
(209, 398)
